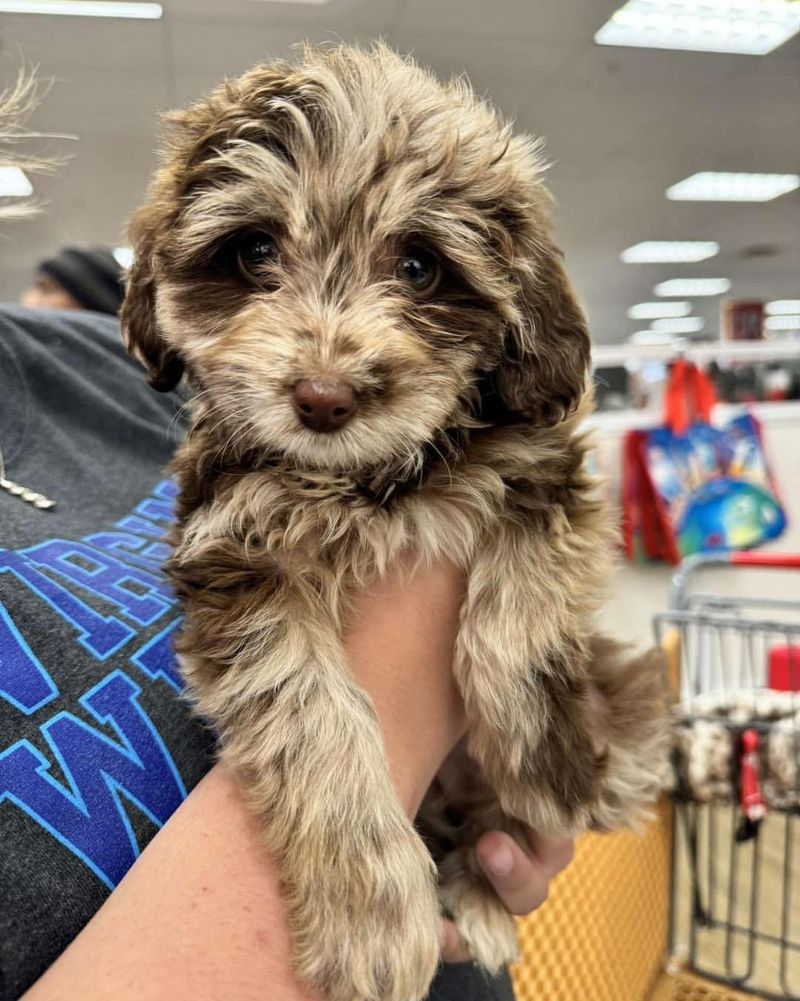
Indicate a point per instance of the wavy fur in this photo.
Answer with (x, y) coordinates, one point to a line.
(466, 445)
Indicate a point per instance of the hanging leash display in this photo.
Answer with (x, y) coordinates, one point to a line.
(750, 799)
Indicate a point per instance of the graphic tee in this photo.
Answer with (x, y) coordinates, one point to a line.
(97, 746)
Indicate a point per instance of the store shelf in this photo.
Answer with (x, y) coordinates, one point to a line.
(619, 421)
(608, 355)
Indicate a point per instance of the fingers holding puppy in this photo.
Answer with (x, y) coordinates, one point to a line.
(520, 878)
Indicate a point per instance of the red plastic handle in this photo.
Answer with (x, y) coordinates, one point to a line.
(790, 561)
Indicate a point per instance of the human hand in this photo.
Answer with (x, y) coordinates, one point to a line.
(520, 878)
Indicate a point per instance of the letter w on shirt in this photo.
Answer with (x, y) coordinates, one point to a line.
(87, 813)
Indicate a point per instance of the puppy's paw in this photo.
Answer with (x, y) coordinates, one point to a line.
(369, 929)
(486, 928)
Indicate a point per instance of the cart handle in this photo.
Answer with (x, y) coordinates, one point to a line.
(787, 561)
(690, 566)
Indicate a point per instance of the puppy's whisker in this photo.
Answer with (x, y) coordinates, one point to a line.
(185, 409)
(244, 432)
(444, 462)
(235, 434)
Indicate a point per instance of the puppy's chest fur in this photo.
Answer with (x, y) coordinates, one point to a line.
(237, 525)
(256, 548)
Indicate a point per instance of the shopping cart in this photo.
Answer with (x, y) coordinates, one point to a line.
(704, 905)
(735, 914)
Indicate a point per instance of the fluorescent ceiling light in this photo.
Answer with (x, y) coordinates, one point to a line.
(651, 338)
(749, 27)
(782, 306)
(123, 256)
(693, 286)
(83, 8)
(721, 186)
(684, 325)
(654, 310)
(782, 322)
(670, 251)
(14, 183)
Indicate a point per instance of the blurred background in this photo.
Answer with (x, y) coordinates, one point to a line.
(632, 99)
(622, 125)
(673, 132)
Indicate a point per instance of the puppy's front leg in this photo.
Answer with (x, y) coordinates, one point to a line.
(556, 759)
(523, 674)
(357, 881)
(525, 662)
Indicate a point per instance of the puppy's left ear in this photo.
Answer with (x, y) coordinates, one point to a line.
(544, 371)
(140, 330)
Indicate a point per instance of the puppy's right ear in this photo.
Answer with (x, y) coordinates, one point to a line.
(140, 330)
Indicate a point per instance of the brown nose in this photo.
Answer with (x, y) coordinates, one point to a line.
(324, 405)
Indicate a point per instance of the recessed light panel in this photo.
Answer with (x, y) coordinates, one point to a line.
(787, 322)
(693, 287)
(83, 8)
(749, 27)
(14, 183)
(722, 186)
(679, 325)
(655, 310)
(670, 252)
(782, 306)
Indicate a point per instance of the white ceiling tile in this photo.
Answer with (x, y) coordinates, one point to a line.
(621, 124)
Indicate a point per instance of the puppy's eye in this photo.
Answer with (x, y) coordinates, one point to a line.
(419, 270)
(256, 250)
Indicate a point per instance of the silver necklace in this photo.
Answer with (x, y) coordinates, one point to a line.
(29, 496)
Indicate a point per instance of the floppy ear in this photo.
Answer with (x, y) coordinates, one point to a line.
(543, 373)
(189, 135)
(138, 316)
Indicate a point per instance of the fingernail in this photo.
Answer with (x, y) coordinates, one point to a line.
(499, 862)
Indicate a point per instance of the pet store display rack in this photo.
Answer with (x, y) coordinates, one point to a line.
(735, 913)
(701, 352)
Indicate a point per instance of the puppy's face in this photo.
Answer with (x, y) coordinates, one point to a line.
(338, 252)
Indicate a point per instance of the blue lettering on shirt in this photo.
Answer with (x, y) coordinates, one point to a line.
(87, 814)
(23, 680)
(80, 782)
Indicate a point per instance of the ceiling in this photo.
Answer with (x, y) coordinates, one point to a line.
(621, 125)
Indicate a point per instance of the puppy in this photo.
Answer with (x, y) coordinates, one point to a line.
(353, 265)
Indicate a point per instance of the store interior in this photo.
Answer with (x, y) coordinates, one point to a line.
(672, 134)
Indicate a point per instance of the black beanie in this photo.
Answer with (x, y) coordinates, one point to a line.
(92, 275)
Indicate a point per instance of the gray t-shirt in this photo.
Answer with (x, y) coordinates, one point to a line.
(97, 747)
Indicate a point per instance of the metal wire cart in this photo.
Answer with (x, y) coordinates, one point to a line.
(704, 905)
(735, 916)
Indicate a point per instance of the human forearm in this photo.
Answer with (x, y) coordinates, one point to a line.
(400, 648)
(199, 916)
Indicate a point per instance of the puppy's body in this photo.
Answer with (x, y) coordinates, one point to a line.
(456, 437)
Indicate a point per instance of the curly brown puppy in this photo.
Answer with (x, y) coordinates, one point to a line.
(353, 265)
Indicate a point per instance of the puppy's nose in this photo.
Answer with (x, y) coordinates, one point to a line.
(324, 405)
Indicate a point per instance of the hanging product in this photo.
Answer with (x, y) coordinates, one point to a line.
(689, 487)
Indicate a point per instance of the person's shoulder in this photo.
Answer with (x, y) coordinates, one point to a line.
(38, 325)
(57, 356)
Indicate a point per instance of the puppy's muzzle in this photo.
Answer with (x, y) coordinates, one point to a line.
(324, 405)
